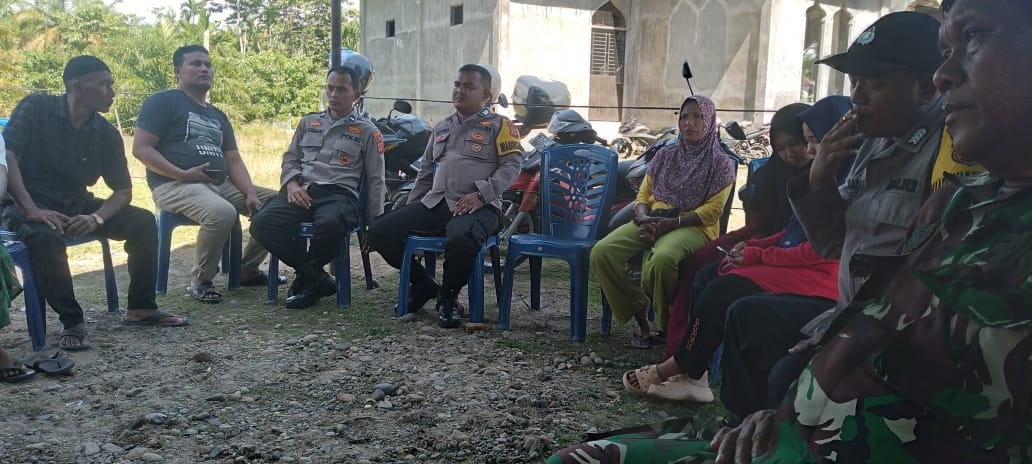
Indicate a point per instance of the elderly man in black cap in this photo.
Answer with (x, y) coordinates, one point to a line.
(57, 146)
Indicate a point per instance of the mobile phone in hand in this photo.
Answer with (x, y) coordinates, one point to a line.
(218, 175)
(723, 251)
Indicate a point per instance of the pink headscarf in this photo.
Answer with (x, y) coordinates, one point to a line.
(687, 174)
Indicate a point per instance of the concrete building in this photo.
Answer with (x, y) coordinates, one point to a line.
(747, 54)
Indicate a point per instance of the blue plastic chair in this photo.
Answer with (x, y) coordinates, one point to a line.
(341, 260)
(750, 186)
(431, 246)
(714, 369)
(341, 263)
(232, 251)
(35, 304)
(577, 185)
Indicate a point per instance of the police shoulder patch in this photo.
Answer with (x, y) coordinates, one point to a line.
(378, 137)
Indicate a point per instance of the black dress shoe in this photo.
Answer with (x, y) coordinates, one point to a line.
(448, 313)
(295, 287)
(419, 295)
(311, 293)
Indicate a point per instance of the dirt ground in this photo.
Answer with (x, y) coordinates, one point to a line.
(251, 382)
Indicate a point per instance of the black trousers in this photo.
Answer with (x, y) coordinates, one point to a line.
(334, 212)
(759, 331)
(785, 372)
(712, 294)
(47, 251)
(466, 234)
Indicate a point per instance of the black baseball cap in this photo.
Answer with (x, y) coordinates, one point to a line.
(901, 40)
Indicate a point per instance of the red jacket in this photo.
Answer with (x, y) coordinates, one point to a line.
(797, 270)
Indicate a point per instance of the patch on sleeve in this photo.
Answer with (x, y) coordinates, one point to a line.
(508, 139)
(379, 141)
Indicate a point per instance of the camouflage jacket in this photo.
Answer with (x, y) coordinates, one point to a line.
(936, 367)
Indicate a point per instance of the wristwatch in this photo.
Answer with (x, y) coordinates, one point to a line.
(480, 196)
(96, 217)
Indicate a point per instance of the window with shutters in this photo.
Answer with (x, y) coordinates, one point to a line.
(456, 14)
(608, 40)
(606, 73)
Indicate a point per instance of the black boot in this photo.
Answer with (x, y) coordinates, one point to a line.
(295, 286)
(448, 309)
(420, 294)
(312, 291)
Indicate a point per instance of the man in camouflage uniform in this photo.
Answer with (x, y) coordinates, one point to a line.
(333, 152)
(932, 361)
(471, 160)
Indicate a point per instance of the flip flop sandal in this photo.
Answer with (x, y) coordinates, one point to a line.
(261, 280)
(157, 320)
(24, 373)
(204, 293)
(645, 377)
(680, 388)
(78, 334)
(643, 342)
(53, 365)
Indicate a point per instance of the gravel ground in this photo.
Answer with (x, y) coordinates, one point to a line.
(250, 382)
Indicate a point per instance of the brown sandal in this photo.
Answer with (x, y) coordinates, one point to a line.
(644, 342)
(644, 377)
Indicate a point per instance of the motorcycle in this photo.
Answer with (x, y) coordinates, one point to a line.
(535, 99)
(635, 137)
(747, 145)
(405, 137)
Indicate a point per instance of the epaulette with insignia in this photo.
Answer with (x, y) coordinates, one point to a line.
(485, 112)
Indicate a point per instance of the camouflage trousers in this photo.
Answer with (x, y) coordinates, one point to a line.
(671, 441)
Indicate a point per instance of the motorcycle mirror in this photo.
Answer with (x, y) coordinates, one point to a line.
(402, 106)
(503, 101)
(735, 130)
(686, 72)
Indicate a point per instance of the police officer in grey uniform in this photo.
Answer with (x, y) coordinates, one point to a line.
(473, 156)
(331, 154)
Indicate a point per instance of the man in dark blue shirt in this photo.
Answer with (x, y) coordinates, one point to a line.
(195, 169)
(57, 146)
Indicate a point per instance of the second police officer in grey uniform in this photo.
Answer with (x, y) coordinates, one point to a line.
(330, 154)
(473, 156)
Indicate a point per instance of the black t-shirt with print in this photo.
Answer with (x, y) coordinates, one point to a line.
(188, 134)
